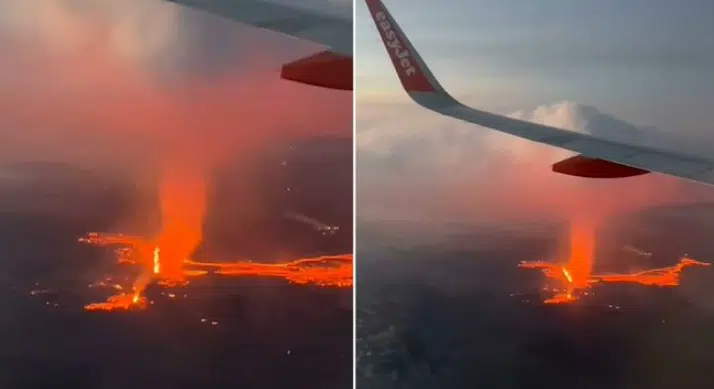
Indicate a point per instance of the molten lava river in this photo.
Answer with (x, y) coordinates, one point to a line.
(576, 275)
(326, 271)
(165, 259)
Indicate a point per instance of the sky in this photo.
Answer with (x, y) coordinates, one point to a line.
(640, 71)
(135, 83)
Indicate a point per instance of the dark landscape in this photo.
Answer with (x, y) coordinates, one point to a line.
(217, 332)
(447, 307)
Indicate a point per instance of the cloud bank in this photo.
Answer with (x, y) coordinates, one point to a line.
(442, 170)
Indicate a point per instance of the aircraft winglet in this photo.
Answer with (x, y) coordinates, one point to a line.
(411, 69)
(600, 158)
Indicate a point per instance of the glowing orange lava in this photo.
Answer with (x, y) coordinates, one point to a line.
(157, 260)
(666, 276)
(182, 195)
(166, 259)
(576, 275)
(118, 302)
(326, 271)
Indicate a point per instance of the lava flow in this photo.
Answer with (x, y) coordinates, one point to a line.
(119, 301)
(166, 258)
(326, 271)
(577, 275)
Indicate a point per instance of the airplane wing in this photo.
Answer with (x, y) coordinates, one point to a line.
(331, 68)
(599, 158)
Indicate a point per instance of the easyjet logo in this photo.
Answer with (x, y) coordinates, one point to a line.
(394, 44)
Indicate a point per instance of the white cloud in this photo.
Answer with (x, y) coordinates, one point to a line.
(437, 140)
(135, 28)
(426, 166)
(155, 35)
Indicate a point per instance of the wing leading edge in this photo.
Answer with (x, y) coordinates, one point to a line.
(425, 90)
(331, 68)
(328, 30)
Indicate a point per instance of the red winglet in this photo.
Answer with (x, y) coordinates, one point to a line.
(400, 51)
(325, 69)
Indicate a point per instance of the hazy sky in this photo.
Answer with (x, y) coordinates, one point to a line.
(643, 54)
(121, 82)
(605, 66)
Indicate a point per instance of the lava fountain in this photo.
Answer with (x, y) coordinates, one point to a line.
(182, 194)
(165, 259)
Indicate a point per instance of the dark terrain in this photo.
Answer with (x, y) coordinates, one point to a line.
(435, 309)
(269, 334)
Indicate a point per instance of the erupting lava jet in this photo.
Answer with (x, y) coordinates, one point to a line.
(331, 68)
(598, 158)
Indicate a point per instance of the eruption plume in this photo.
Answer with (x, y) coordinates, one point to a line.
(182, 195)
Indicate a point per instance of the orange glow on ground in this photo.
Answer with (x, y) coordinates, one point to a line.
(666, 276)
(182, 195)
(576, 275)
(157, 260)
(165, 259)
(328, 271)
(333, 271)
(122, 301)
